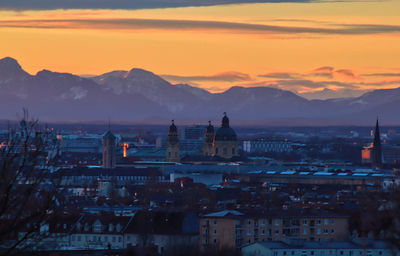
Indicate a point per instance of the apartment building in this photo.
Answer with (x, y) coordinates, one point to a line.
(234, 229)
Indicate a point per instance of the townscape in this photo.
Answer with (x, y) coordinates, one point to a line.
(199, 128)
(199, 190)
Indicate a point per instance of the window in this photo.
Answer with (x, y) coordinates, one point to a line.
(119, 239)
(263, 222)
(326, 221)
(341, 253)
(113, 239)
(78, 238)
(215, 222)
(73, 238)
(248, 232)
(326, 231)
(118, 227)
(215, 231)
(312, 252)
(318, 222)
(249, 222)
(332, 231)
(305, 222)
(276, 222)
(215, 241)
(225, 151)
(318, 231)
(305, 231)
(263, 231)
(332, 222)
(284, 252)
(277, 231)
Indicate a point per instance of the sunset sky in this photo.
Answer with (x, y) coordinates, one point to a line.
(348, 47)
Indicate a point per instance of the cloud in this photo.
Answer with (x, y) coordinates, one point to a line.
(196, 25)
(121, 4)
(325, 71)
(279, 75)
(348, 74)
(383, 74)
(230, 76)
(332, 73)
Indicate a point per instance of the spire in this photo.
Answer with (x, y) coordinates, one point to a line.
(377, 148)
(210, 128)
(172, 127)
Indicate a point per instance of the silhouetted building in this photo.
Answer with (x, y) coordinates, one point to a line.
(209, 141)
(225, 141)
(192, 138)
(377, 148)
(173, 144)
(109, 150)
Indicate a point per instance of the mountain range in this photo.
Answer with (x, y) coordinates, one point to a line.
(139, 96)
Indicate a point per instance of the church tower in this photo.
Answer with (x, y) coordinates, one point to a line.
(209, 141)
(377, 148)
(173, 144)
(109, 150)
(225, 141)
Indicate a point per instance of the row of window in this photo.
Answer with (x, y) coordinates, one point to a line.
(79, 238)
(249, 232)
(277, 222)
(330, 252)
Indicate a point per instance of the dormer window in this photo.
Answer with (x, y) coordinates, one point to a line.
(110, 227)
(118, 227)
(97, 226)
(86, 228)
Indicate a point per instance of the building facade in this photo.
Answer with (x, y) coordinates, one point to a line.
(173, 144)
(209, 141)
(233, 229)
(225, 140)
(109, 150)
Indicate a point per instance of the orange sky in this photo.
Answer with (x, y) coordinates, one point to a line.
(280, 44)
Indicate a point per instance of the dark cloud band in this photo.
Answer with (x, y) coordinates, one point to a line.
(142, 24)
(123, 4)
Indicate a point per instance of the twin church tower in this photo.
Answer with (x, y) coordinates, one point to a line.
(222, 143)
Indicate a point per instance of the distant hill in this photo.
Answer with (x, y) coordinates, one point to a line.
(139, 96)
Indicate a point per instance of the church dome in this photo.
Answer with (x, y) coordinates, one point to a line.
(225, 133)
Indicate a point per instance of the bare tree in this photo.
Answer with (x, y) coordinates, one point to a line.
(28, 192)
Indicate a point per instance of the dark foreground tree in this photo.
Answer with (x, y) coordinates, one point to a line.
(28, 194)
